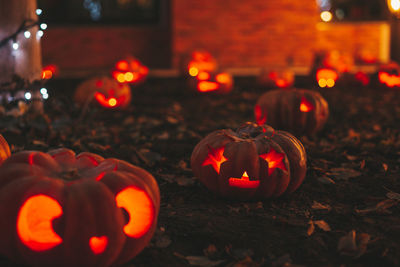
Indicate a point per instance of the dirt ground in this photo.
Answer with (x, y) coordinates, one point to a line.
(346, 213)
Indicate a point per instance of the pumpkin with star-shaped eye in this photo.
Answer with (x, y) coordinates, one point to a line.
(4, 149)
(104, 91)
(298, 111)
(219, 83)
(59, 209)
(130, 70)
(253, 162)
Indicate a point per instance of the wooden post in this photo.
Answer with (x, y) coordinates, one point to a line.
(26, 61)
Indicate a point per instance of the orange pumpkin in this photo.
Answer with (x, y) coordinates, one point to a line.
(220, 83)
(104, 91)
(253, 162)
(60, 209)
(4, 149)
(198, 61)
(130, 70)
(298, 111)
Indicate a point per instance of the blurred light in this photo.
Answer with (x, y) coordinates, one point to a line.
(339, 13)
(128, 76)
(203, 76)
(330, 82)
(322, 83)
(43, 26)
(15, 45)
(28, 95)
(193, 71)
(121, 77)
(43, 91)
(39, 11)
(324, 4)
(395, 4)
(39, 34)
(45, 96)
(112, 102)
(122, 65)
(223, 78)
(27, 34)
(326, 16)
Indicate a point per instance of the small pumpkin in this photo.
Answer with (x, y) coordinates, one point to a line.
(298, 111)
(282, 78)
(104, 91)
(198, 61)
(389, 75)
(253, 162)
(60, 209)
(4, 149)
(205, 82)
(130, 70)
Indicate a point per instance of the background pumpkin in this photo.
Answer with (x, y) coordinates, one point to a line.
(253, 162)
(205, 82)
(4, 149)
(298, 111)
(105, 91)
(197, 61)
(59, 209)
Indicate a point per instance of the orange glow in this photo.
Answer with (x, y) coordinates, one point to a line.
(394, 7)
(120, 77)
(389, 79)
(34, 224)
(193, 71)
(122, 65)
(49, 71)
(215, 158)
(111, 102)
(203, 76)
(223, 78)
(101, 175)
(326, 77)
(362, 77)
(274, 160)
(206, 86)
(261, 118)
(305, 105)
(128, 76)
(98, 244)
(243, 182)
(326, 16)
(140, 208)
(281, 83)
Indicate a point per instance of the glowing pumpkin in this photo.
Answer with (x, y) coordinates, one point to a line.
(198, 61)
(297, 111)
(49, 71)
(104, 91)
(253, 162)
(60, 209)
(4, 149)
(205, 82)
(389, 75)
(283, 78)
(130, 70)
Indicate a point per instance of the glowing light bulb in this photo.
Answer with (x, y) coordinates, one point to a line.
(326, 16)
(43, 91)
(28, 95)
(395, 5)
(43, 26)
(39, 11)
(39, 34)
(45, 96)
(27, 34)
(15, 45)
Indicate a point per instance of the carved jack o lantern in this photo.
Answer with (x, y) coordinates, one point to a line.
(253, 162)
(198, 61)
(105, 91)
(130, 70)
(220, 83)
(389, 75)
(64, 210)
(297, 111)
(326, 77)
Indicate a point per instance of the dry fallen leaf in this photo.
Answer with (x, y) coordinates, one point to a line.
(326, 180)
(311, 228)
(323, 225)
(381, 207)
(344, 173)
(318, 206)
(202, 261)
(393, 195)
(353, 244)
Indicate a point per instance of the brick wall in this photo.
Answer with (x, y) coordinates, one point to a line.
(246, 33)
(261, 33)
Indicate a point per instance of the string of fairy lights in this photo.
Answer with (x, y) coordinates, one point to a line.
(20, 91)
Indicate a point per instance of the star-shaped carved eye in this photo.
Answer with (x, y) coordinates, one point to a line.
(274, 160)
(215, 158)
